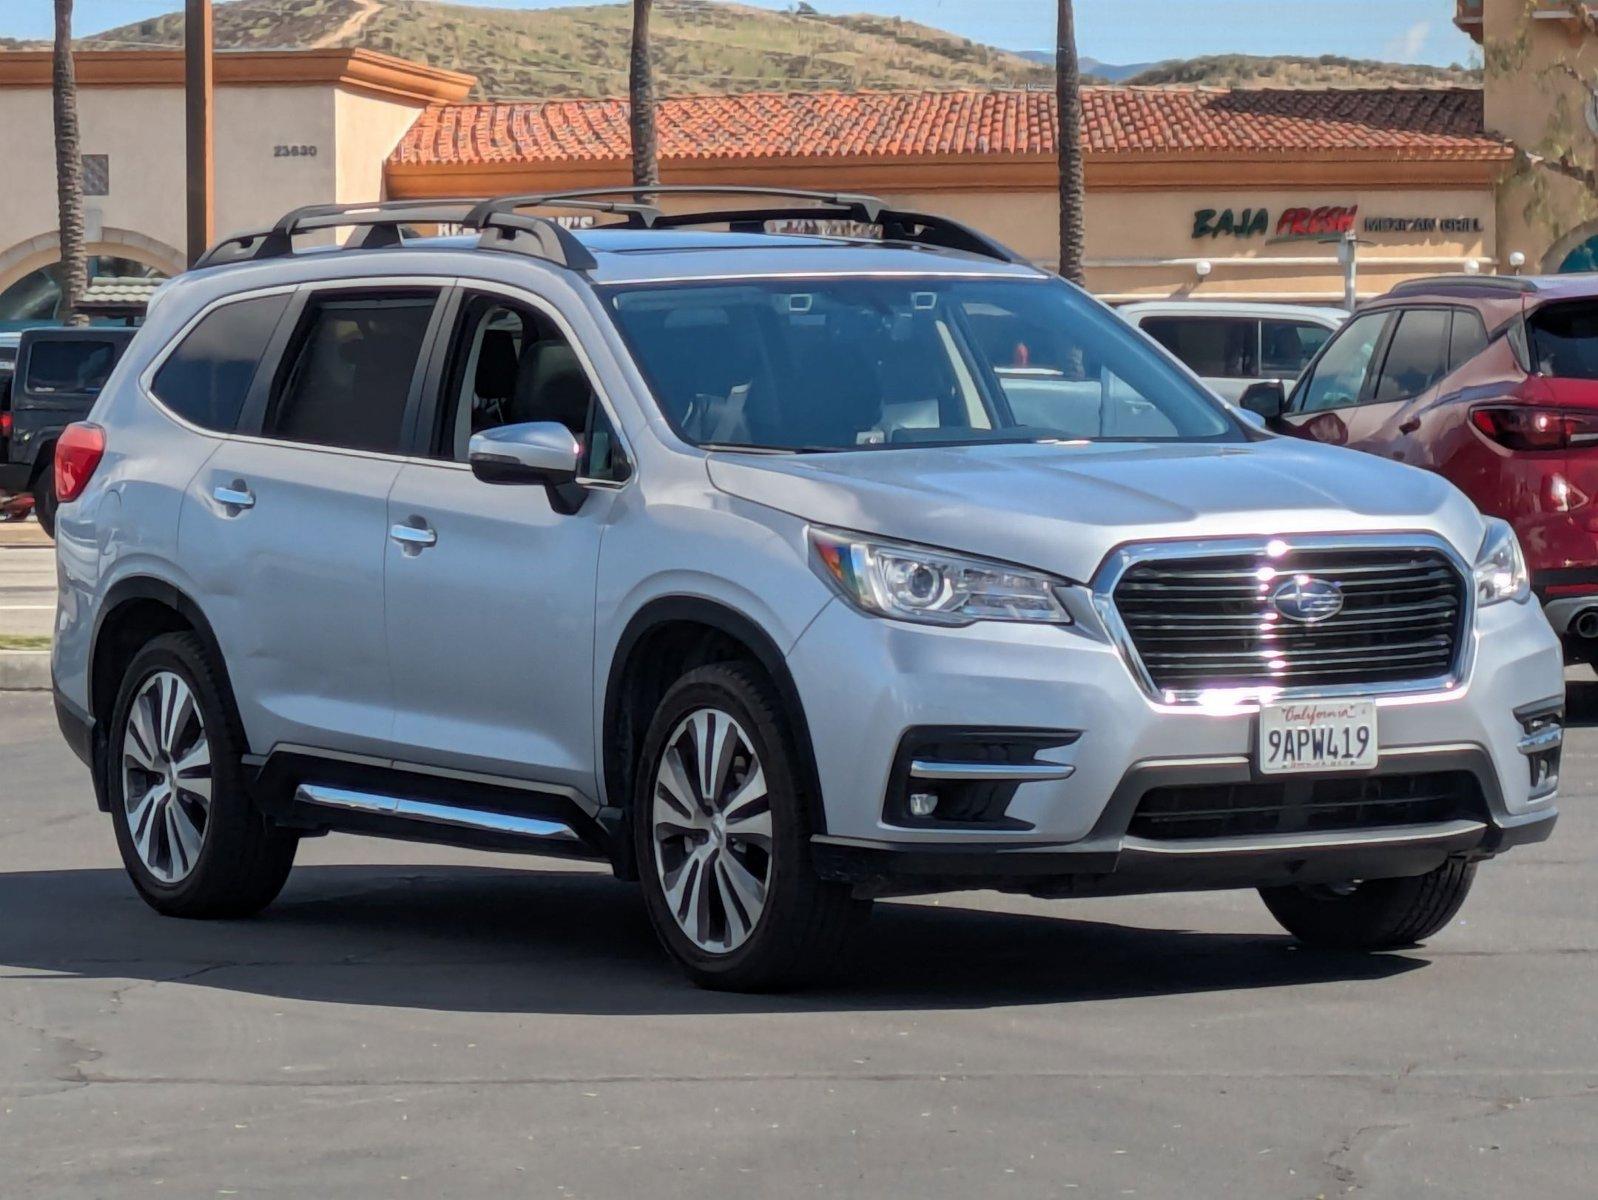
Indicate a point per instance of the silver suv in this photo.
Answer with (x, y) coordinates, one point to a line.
(782, 571)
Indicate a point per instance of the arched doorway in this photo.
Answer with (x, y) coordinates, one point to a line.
(35, 299)
(1582, 257)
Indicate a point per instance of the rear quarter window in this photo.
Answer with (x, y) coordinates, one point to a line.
(206, 379)
(1563, 340)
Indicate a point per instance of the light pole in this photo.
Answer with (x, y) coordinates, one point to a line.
(198, 125)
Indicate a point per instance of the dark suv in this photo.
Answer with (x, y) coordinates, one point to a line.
(1493, 383)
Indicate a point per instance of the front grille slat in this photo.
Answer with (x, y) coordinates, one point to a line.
(1305, 806)
(1208, 621)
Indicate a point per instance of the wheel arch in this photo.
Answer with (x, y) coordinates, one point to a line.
(664, 639)
(134, 611)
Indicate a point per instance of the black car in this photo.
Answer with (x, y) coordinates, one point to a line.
(58, 375)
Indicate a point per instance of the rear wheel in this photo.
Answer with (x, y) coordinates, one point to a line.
(722, 831)
(1376, 914)
(44, 499)
(192, 841)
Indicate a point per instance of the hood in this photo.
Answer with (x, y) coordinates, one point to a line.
(1063, 508)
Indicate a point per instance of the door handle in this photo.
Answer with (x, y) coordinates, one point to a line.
(413, 539)
(237, 495)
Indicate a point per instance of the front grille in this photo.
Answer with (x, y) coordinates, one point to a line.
(1305, 806)
(1210, 621)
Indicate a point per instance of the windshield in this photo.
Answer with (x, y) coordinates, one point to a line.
(846, 364)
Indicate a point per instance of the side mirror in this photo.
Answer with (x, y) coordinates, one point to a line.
(1267, 398)
(538, 452)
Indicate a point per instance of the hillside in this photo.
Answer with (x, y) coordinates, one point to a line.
(1244, 71)
(700, 46)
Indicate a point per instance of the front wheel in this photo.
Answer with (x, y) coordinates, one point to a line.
(722, 830)
(1376, 914)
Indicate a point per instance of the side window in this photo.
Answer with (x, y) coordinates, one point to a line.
(1468, 340)
(1214, 347)
(510, 364)
(70, 366)
(1287, 346)
(1339, 377)
(1417, 356)
(206, 379)
(347, 375)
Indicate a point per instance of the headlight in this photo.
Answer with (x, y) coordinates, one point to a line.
(1500, 567)
(911, 583)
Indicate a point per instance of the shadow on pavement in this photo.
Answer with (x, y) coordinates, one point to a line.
(1581, 704)
(495, 940)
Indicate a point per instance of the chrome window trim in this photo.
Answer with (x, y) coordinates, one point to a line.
(1124, 558)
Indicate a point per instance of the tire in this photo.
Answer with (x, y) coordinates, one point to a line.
(791, 929)
(1377, 914)
(187, 856)
(44, 499)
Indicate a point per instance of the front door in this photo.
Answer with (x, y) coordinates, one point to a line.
(490, 591)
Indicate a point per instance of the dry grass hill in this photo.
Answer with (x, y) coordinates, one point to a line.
(705, 45)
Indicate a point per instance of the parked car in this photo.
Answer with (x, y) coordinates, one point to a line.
(1232, 346)
(58, 376)
(725, 557)
(1492, 382)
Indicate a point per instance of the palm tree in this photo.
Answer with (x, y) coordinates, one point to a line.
(1068, 86)
(641, 99)
(68, 168)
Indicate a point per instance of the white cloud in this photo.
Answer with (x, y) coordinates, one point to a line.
(1407, 46)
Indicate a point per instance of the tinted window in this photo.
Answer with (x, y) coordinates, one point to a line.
(79, 366)
(206, 379)
(1418, 355)
(1214, 347)
(1564, 340)
(1339, 377)
(1287, 346)
(1469, 338)
(348, 374)
(841, 364)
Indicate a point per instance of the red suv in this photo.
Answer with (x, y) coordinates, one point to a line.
(1491, 381)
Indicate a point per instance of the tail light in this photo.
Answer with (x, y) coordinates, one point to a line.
(5, 426)
(1527, 427)
(77, 454)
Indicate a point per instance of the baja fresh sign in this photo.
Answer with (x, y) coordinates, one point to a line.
(1295, 224)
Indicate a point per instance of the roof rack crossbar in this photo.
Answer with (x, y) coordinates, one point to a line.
(381, 223)
(869, 207)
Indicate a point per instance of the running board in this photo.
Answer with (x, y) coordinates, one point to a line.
(541, 829)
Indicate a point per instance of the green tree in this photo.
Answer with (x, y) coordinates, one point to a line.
(1068, 88)
(68, 168)
(641, 100)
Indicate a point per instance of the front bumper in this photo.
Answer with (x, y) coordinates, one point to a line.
(864, 682)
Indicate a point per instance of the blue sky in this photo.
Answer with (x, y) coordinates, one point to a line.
(1110, 30)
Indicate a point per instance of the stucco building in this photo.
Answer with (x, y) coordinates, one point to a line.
(1202, 192)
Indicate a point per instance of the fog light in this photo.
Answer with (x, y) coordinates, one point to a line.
(923, 804)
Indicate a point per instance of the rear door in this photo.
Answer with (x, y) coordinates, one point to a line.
(285, 526)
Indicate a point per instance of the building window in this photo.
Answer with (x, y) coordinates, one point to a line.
(96, 174)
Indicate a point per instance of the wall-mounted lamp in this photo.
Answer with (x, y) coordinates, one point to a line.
(1517, 260)
(1472, 267)
(1204, 267)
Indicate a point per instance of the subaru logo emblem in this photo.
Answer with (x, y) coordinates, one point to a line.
(1307, 600)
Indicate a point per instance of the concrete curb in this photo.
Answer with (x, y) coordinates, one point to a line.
(24, 670)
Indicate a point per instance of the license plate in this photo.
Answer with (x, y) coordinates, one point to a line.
(1317, 736)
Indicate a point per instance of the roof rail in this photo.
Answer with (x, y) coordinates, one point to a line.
(381, 225)
(916, 228)
(1518, 285)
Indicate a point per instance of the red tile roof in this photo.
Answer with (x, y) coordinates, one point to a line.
(1405, 122)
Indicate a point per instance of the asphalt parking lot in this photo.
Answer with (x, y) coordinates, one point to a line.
(410, 1020)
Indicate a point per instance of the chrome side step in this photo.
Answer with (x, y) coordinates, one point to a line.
(540, 828)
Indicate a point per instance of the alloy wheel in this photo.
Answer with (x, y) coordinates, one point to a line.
(166, 777)
(711, 821)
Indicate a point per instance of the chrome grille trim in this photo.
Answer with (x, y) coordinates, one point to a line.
(1425, 594)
